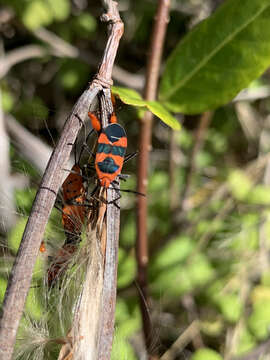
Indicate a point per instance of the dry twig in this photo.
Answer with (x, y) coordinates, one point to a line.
(152, 76)
(183, 340)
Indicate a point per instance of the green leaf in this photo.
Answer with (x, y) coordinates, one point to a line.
(259, 320)
(175, 252)
(3, 286)
(163, 114)
(72, 74)
(33, 307)
(60, 9)
(260, 195)
(128, 96)
(15, 235)
(239, 184)
(131, 97)
(200, 270)
(7, 100)
(221, 56)
(37, 14)
(246, 342)
(206, 354)
(231, 307)
(84, 25)
(126, 269)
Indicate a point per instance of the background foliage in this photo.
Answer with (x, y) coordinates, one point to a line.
(209, 219)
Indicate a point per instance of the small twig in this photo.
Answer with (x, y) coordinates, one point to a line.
(192, 313)
(60, 47)
(249, 120)
(22, 54)
(31, 147)
(152, 76)
(253, 94)
(182, 341)
(20, 278)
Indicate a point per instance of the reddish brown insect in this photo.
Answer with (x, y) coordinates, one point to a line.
(73, 210)
(73, 215)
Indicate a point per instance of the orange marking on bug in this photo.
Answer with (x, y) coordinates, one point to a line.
(94, 121)
(42, 247)
(113, 119)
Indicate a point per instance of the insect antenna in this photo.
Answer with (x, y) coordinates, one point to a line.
(85, 146)
(130, 156)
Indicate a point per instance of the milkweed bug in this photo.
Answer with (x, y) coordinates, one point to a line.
(110, 154)
(73, 209)
(111, 149)
(73, 215)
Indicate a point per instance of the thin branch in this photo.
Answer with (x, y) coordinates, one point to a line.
(253, 94)
(60, 47)
(31, 147)
(93, 327)
(192, 314)
(20, 279)
(152, 76)
(183, 340)
(22, 54)
(113, 213)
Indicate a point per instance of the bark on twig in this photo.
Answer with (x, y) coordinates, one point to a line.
(20, 278)
(152, 76)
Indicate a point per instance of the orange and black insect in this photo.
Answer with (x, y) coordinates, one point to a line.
(111, 150)
(73, 215)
